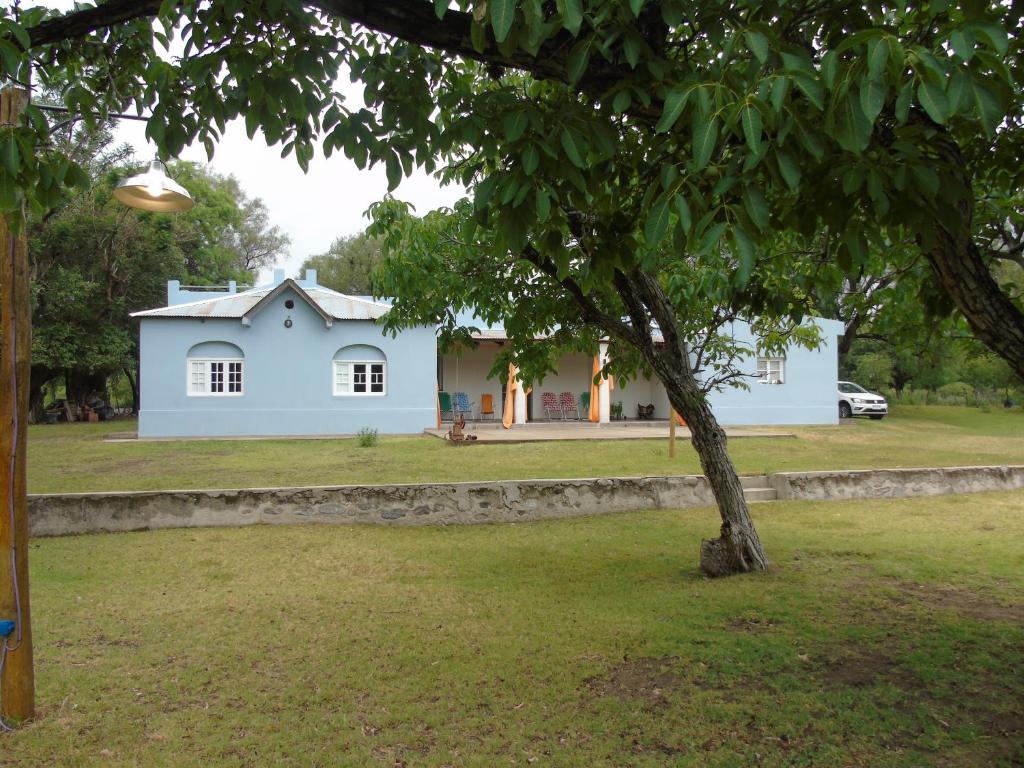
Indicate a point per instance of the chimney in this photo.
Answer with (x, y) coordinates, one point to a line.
(278, 276)
(310, 281)
(173, 291)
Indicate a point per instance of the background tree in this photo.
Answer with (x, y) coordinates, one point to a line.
(348, 265)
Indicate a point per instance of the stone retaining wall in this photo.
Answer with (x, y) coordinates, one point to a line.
(461, 503)
(425, 504)
(892, 483)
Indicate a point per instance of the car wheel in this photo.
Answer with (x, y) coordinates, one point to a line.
(876, 417)
(845, 412)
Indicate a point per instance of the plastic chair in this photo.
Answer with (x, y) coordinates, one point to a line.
(551, 405)
(585, 403)
(567, 400)
(486, 407)
(463, 405)
(445, 400)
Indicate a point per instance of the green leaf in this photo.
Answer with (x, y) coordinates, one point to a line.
(857, 244)
(878, 58)
(994, 34)
(393, 167)
(903, 102)
(571, 145)
(788, 168)
(576, 63)
(872, 98)
(515, 123)
(657, 222)
(636, 6)
(933, 99)
(750, 118)
(962, 45)
(477, 37)
(572, 15)
(483, 193)
(711, 237)
(503, 13)
(758, 44)
(959, 93)
(440, 6)
(675, 103)
(812, 89)
(989, 111)
(683, 211)
(756, 207)
(779, 88)
(705, 136)
(746, 253)
(621, 101)
(852, 127)
(531, 159)
(10, 156)
(543, 206)
(632, 46)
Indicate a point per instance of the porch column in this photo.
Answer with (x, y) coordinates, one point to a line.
(604, 391)
(520, 401)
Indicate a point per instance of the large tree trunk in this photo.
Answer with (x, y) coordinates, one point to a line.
(738, 548)
(134, 382)
(964, 275)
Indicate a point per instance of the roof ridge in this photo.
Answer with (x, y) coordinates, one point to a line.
(200, 301)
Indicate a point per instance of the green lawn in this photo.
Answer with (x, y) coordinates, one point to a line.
(74, 457)
(888, 633)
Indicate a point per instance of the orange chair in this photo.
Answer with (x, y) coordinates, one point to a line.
(486, 407)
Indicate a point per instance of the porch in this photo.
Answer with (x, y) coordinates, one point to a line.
(569, 389)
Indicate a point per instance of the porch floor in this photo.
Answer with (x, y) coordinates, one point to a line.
(492, 431)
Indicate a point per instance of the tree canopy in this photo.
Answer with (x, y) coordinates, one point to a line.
(348, 265)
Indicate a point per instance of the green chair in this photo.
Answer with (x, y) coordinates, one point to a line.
(585, 404)
(445, 400)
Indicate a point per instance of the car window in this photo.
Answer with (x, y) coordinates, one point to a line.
(849, 388)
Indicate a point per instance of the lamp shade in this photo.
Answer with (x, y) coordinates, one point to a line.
(154, 191)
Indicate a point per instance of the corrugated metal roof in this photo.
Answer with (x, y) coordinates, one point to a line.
(336, 305)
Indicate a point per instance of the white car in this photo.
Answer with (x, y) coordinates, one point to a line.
(854, 400)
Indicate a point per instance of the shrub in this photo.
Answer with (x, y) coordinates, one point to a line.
(957, 392)
(367, 437)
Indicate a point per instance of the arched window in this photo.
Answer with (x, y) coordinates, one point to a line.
(359, 370)
(215, 369)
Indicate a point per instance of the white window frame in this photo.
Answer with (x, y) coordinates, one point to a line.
(336, 364)
(765, 373)
(207, 362)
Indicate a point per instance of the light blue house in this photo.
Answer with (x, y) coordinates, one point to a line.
(295, 358)
(291, 358)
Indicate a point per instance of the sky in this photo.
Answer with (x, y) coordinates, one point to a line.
(312, 208)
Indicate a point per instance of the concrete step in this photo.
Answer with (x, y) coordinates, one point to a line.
(759, 494)
(754, 481)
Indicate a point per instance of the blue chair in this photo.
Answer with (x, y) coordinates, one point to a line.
(463, 405)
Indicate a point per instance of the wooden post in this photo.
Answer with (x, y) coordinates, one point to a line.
(17, 684)
(672, 433)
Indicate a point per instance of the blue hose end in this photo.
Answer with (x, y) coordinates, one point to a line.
(6, 627)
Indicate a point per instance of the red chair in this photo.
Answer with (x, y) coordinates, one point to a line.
(567, 401)
(551, 405)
